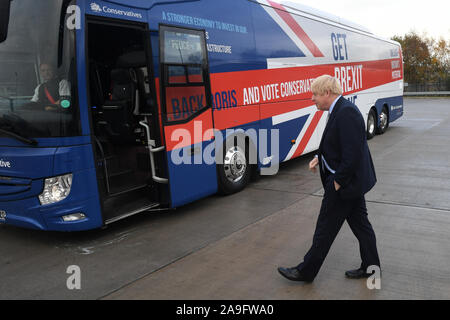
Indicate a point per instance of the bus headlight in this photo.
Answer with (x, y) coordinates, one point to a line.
(56, 189)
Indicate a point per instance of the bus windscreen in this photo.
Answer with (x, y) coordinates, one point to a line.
(38, 80)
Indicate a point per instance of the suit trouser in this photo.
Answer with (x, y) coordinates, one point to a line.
(333, 212)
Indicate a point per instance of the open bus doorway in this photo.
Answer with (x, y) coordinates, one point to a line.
(122, 97)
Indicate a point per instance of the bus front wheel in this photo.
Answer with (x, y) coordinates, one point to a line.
(234, 171)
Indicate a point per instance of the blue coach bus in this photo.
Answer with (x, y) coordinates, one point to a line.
(99, 100)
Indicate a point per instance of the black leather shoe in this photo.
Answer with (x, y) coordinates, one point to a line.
(292, 274)
(357, 274)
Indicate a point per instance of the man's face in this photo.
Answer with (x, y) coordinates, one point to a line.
(46, 72)
(322, 101)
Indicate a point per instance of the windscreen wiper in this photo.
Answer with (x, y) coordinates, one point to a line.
(16, 136)
(9, 125)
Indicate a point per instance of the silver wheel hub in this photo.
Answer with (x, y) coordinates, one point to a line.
(383, 120)
(235, 164)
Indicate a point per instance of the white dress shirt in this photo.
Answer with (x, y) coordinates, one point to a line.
(324, 162)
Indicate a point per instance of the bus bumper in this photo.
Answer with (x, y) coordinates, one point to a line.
(29, 213)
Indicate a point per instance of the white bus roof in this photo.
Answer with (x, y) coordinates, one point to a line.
(325, 17)
(301, 8)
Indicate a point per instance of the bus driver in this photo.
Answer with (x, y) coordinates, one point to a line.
(50, 92)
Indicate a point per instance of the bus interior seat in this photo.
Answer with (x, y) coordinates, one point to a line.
(118, 110)
(128, 93)
(137, 60)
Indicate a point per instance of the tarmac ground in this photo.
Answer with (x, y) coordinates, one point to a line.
(230, 247)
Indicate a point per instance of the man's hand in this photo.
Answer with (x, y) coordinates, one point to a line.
(313, 164)
(336, 186)
(53, 107)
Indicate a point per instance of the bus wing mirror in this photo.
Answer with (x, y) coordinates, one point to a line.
(5, 6)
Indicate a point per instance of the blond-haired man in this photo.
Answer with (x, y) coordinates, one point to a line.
(347, 174)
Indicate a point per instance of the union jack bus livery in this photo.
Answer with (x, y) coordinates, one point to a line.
(112, 108)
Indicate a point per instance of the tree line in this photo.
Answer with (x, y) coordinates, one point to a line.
(426, 60)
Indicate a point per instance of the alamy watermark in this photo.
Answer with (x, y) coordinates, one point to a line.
(258, 146)
(73, 21)
(374, 281)
(74, 280)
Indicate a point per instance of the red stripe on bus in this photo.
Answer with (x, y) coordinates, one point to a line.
(297, 29)
(308, 134)
(236, 116)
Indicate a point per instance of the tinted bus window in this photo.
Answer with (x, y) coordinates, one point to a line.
(184, 63)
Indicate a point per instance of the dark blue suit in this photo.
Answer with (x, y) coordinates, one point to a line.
(345, 151)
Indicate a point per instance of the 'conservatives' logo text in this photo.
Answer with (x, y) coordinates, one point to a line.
(97, 8)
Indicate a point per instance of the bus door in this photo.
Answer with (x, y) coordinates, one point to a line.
(187, 114)
(122, 100)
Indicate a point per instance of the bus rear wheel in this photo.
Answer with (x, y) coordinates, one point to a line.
(235, 171)
(384, 121)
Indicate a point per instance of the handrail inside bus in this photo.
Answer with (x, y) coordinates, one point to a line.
(151, 144)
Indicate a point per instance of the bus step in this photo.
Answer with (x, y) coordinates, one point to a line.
(116, 193)
(129, 203)
(133, 212)
(120, 173)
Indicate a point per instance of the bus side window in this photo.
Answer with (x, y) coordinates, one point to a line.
(184, 67)
(176, 74)
(195, 75)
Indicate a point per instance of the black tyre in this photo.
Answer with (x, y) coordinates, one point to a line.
(371, 124)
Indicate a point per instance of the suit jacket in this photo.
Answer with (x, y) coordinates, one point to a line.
(344, 147)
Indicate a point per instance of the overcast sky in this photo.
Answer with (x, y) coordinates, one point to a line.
(387, 18)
